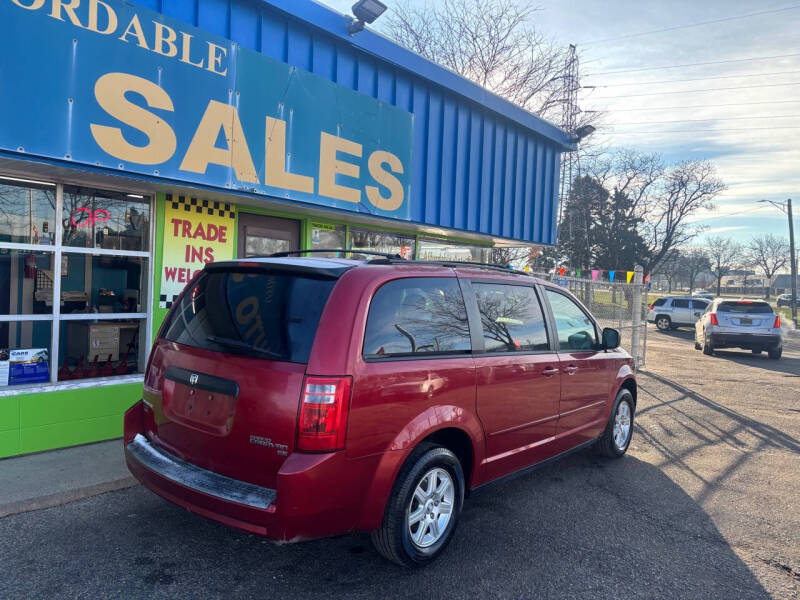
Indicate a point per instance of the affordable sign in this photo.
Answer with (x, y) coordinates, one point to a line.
(111, 84)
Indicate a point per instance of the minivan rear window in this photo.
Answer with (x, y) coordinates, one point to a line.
(265, 315)
(748, 308)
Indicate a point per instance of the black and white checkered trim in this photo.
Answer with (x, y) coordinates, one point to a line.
(209, 207)
(165, 301)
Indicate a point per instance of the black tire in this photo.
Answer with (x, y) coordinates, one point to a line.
(776, 353)
(605, 445)
(708, 349)
(663, 322)
(393, 539)
(697, 345)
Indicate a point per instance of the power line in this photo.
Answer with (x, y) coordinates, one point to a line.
(601, 132)
(699, 106)
(638, 83)
(713, 62)
(713, 119)
(698, 24)
(739, 87)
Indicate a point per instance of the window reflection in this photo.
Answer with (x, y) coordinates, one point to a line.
(379, 241)
(511, 317)
(27, 212)
(103, 219)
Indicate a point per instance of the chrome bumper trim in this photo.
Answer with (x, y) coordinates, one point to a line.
(193, 477)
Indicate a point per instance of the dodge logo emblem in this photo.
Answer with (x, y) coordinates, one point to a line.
(193, 378)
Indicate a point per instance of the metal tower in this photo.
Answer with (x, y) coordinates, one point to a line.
(569, 120)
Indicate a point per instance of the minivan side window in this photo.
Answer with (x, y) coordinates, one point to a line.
(417, 316)
(576, 330)
(511, 317)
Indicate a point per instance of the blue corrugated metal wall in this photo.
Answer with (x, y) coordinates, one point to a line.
(474, 169)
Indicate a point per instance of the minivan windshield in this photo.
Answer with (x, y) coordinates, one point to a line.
(748, 308)
(262, 314)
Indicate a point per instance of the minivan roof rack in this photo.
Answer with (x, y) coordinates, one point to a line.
(343, 250)
(452, 264)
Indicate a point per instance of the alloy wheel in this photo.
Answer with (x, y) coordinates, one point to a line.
(622, 425)
(431, 507)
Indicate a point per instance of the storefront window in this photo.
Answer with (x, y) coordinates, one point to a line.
(109, 220)
(25, 352)
(380, 241)
(27, 212)
(102, 284)
(449, 252)
(327, 236)
(100, 274)
(100, 348)
(22, 272)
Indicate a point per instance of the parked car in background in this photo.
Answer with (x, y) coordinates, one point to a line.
(703, 294)
(296, 398)
(784, 300)
(671, 312)
(748, 324)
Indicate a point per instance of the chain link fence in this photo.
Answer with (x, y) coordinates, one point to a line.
(622, 306)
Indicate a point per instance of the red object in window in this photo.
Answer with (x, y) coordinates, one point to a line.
(122, 367)
(108, 367)
(94, 368)
(30, 266)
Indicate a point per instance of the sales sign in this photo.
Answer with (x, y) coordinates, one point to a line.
(110, 84)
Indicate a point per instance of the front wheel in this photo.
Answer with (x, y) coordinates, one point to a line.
(663, 323)
(618, 433)
(423, 508)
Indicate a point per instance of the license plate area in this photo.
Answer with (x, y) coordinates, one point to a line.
(745, 321)
(200, 401)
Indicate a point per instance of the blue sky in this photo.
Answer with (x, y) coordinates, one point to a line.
(753, 140)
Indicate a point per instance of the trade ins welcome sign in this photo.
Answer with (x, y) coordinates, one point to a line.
(114, 85)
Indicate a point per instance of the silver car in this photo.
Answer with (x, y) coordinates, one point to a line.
(671, 312)
(748, 324)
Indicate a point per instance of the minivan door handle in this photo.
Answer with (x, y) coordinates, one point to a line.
(549, 371)
(570, 370)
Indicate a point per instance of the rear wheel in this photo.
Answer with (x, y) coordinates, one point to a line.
(423, 509)
(708, 349)
(776, 353)
(617, 436)
(697, 345)
(663, 322)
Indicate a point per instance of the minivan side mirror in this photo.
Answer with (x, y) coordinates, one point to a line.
(610, 338)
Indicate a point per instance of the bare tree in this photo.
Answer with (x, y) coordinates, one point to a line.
(769, 253)
(724, 254)
(662, 197)
(490, 42)
(695, 261)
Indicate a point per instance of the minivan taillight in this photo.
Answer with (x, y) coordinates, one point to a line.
(777, 322)
(323, 414)
(714, 319)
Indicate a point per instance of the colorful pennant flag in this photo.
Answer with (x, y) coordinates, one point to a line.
(630, 276)
(647, 279)
(561, 271)
(611, 275)
(595, 273)
(577, 272)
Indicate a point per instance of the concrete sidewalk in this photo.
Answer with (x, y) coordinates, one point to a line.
(46, 479)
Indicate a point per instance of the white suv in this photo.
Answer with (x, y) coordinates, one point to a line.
(671, 312)
(748, 324)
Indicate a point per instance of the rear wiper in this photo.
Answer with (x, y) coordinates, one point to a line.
(241, 345)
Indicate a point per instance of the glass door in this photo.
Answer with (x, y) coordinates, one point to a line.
(262, 236)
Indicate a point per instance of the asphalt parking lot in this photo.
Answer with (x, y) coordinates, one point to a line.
(703, 506)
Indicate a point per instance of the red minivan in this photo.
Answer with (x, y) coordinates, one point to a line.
(304, 397)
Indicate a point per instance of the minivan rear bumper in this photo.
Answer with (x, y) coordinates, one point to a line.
(317, 495)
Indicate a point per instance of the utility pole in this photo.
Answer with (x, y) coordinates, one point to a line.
(793, 261)
(786, 207)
